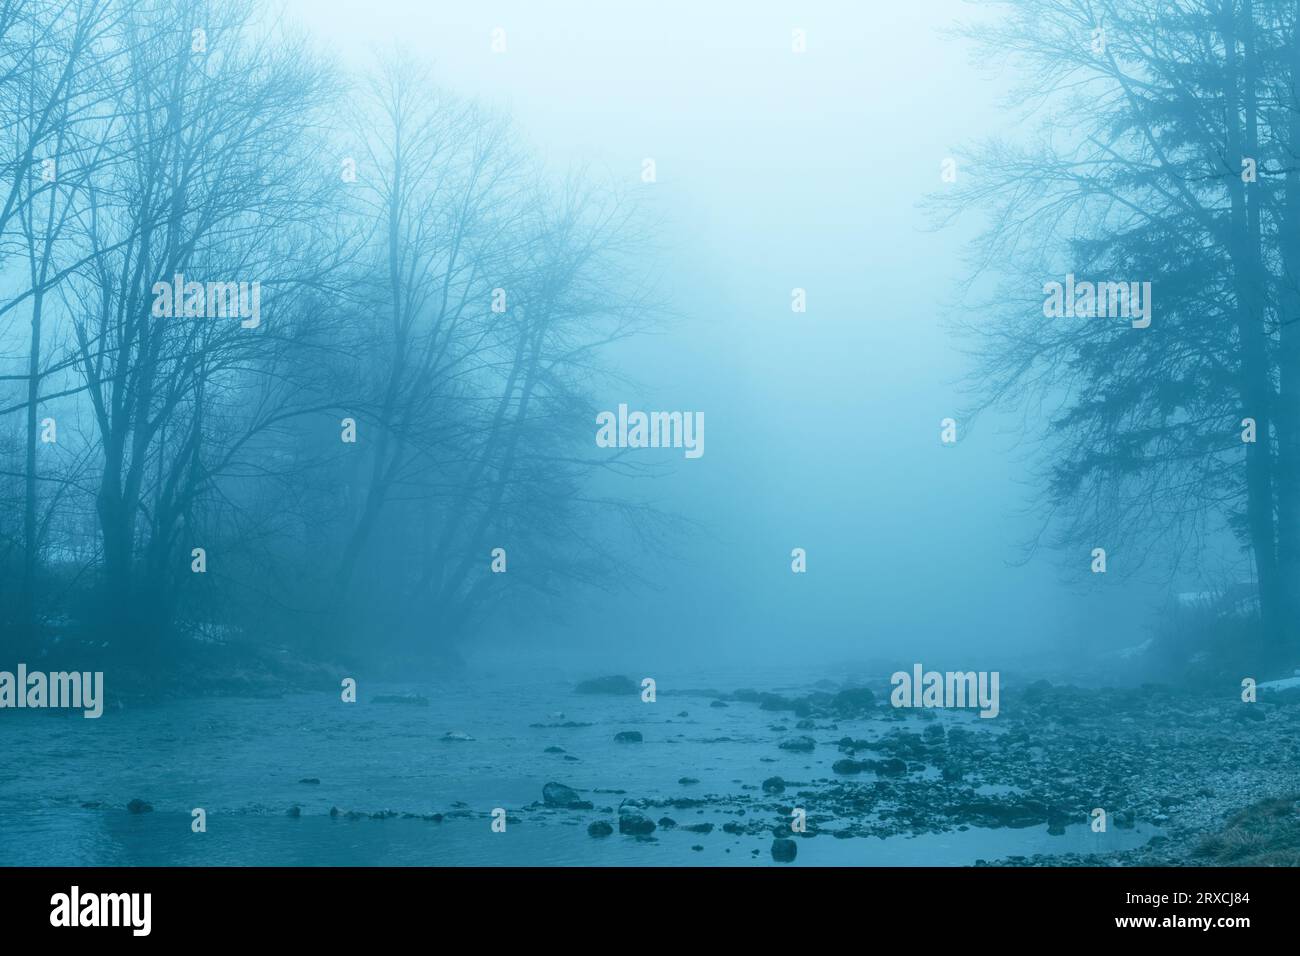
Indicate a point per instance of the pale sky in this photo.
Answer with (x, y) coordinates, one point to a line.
(777, 171)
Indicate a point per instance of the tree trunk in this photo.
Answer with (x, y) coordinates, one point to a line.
(1256, 389)
(1288, 419)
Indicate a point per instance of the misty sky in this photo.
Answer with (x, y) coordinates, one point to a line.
(778, 171)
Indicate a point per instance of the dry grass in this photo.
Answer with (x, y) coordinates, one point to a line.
(1264, 834)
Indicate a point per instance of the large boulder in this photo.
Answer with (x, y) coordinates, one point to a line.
(783, 850)
(635, 824)
(558, 795)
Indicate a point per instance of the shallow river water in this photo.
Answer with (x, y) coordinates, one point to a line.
(66, 781)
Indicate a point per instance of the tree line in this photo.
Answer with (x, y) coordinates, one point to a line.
(434, 308)
(1161, 142)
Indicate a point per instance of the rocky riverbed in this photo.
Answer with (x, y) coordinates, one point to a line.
(587, 772)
